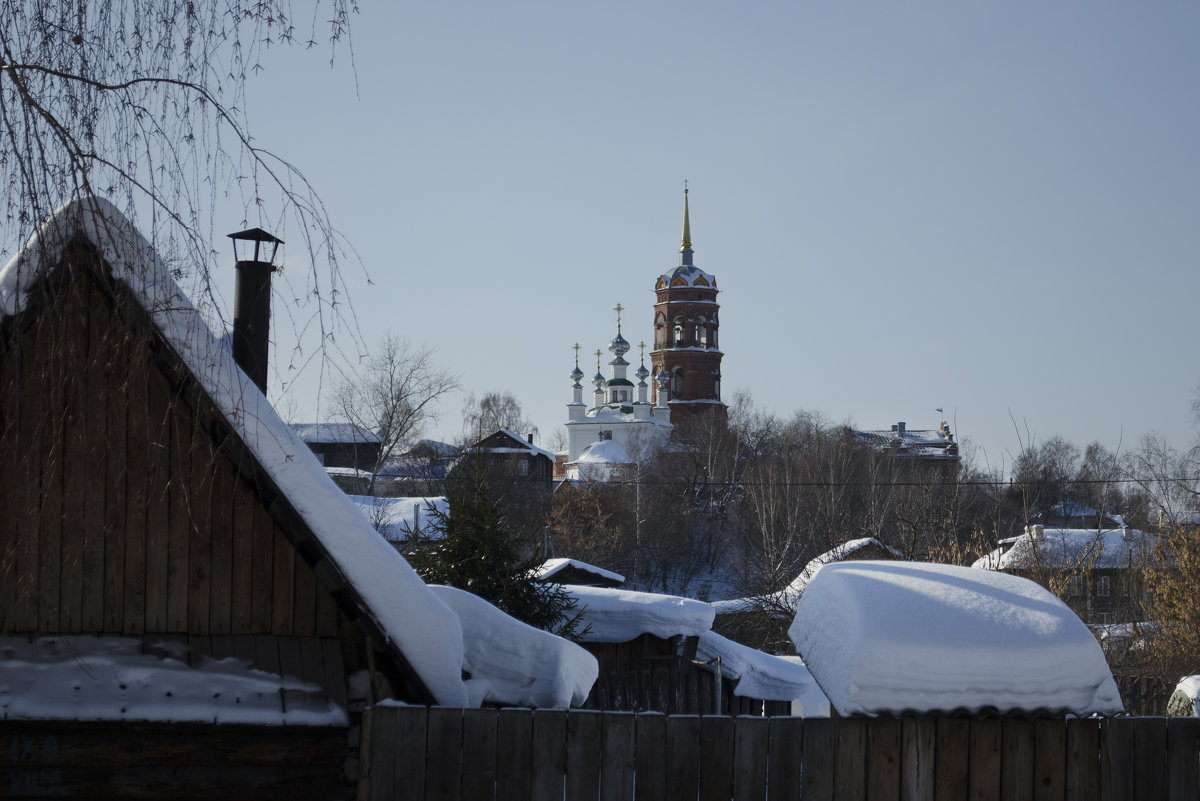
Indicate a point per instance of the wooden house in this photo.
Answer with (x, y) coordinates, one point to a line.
(153, 497)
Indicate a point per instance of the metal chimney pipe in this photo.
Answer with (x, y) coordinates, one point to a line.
(252, 307)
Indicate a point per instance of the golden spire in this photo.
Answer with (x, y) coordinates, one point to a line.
(687, 228)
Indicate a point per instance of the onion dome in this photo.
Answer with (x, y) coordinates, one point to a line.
(663, 379)
(577, 375)
(642, 373)
(599, 380)
(619, 346)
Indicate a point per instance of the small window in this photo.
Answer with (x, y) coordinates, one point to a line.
(1103, 586)
(1074, 585)
(1104, 618)
(678, 334)
(702, 335)
(522, 468)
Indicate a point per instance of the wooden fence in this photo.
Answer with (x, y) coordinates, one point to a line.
(436, 753)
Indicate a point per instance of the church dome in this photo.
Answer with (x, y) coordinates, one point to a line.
(577, 374)
(619, 345)
(642, 373)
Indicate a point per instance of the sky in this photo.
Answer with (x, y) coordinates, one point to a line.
(992, 209)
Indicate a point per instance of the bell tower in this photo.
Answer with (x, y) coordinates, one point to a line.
(686, 358)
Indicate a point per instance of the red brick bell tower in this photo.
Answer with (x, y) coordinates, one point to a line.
(686, 360)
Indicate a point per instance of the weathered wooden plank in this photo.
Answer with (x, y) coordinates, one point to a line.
(11, 488)
(514, 754)
(1016, 768)
(159, 529)
(1083, 760)
(304, 600)
(683, 757)
(583, 756)
(220, 610)
(1116, 754)
(284, 575)
(883, 759)
(395, 768)
(952, 746)
(242, 576)
(262, 569)
(245, 648)
(820, 759)
(1183, 758)
(179, 530)
(650, 756)
(617, 756)
(199, 649)
(137, 499)
(785, 751)
(335, 673)
(100, 474)
(200, 542)
(749, 764)
(79, 523)
(27, 496)
(918, 743)
(116, 375)
(850, 760)
(266, 648)
(479, 748)
(50, 501)
(327, 612)
(1049, 760)
(444, 758)
(1149, 766)
(986, 757)
(716, 758)
(549, 754)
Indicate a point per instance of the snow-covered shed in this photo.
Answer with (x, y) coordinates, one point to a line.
(572, 571)
(908, 637)
(152, 494)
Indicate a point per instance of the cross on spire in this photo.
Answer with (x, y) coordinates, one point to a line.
(599, 353)
(576, 354)
(618, 309)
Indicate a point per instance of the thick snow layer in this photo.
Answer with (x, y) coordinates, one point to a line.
(606, 451)
(522, 665)
(623, 615)
(1072, 548)
(552, 567)
(109, 678)
(397, 519)
(423, 627)
(759, 675)
(905, 636)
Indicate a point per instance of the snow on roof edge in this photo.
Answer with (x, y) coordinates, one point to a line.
(389, 588)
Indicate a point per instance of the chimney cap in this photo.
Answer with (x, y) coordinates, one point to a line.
(255, 235)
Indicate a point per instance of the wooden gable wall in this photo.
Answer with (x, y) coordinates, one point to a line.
(121, 511)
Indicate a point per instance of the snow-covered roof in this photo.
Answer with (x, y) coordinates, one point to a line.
(764, 676)
(397, 519)
(519, 445)
(892, 637)
(522, 665)
(392, 595)
(689, 274)
(1072, 548)
(334, 433)
(623, 615)
(604, 451)
(552, 567)
(124, 678)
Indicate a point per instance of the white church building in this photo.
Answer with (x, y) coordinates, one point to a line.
(608, 439)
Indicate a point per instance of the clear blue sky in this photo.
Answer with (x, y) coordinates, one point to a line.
(990, 208)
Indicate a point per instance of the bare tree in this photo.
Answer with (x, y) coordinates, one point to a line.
(395, 396)
(143, 102)
(492, 412)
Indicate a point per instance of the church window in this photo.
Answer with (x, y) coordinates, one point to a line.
(678, 334)
(658, 335)
(717, 388)
(677, 384)
(702, 335)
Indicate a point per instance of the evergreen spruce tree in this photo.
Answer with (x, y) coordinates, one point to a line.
(478, 552)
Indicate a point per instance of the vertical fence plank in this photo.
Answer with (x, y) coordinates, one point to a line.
(952, 759)
(650, 757)
(817, 769)
(986, 741)
(683, 757)
(616, 756)
(1116, 748)
(785, 744)
(444, 754)
(716, 758)
(1049, 760)
(549, 754)
(1016, 767)
(1183, 750)
(479, 755)
(850, 760)
(583, 755)
(750, 758)
(918, 739)
(883, 759)
(514, 754)
(1083, 759)
(1149, 766)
